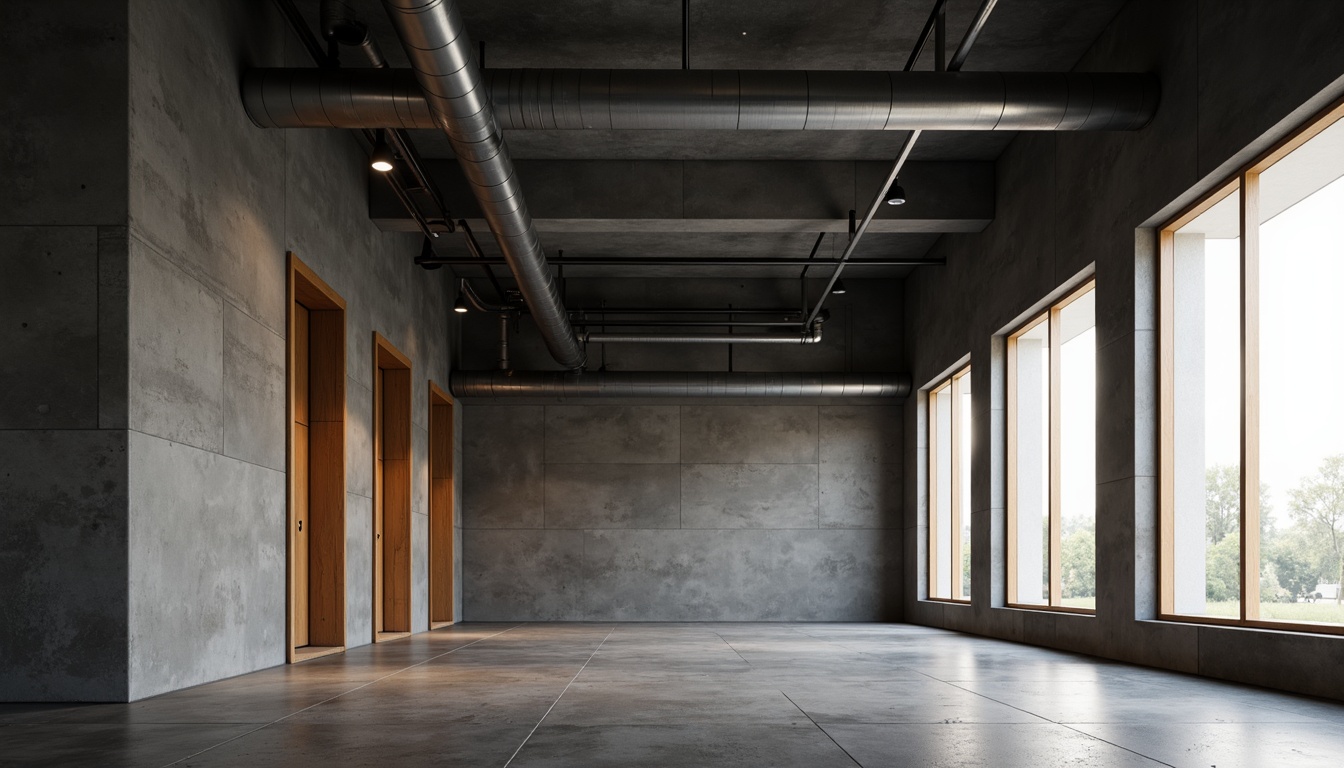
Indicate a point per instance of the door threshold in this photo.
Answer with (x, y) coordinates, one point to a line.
(310, 652)
(440, 624)
(383, 637)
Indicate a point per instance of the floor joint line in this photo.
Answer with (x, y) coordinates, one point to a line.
(817, 725)
(557, 698)
(339, 695)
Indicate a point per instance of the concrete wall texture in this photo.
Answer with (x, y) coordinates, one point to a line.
(143, 229)
(662, 512)
(144, 249)
(1235, 78)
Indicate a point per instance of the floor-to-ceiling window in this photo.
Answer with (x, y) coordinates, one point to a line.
(1052, 398)
(1252, 439)
(949, 544)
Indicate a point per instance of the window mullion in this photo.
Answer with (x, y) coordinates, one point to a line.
(1250, 396)
(1012, 427)
(1054, 451)
(932, 493)
(954, 528)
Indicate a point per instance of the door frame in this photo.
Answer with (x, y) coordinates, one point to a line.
(386, 357)
(305, 287)
(442, 503)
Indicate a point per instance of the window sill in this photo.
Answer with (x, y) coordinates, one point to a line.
(1333, 630)
(1055, 609)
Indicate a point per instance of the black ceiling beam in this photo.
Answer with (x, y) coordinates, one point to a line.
(748, 196)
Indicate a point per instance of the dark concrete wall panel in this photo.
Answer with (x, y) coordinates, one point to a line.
(613, 496)
(645, 434)
(504, 483)
(779, 434)
(63, 561)
(749, 496)
(49, 354)
(64, 113)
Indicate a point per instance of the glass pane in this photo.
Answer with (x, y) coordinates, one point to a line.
(1078, 452)
(942, 506)
(1031, 505)
(1302, 426)
(964, 458)
(1207, 417)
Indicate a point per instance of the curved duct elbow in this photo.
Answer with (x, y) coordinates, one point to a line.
(558, 384)
(435, 40)
(580, 99)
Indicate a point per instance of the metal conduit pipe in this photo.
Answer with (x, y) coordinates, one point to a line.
(444, 64)
(807, 337)
(498, 384)
(607, 99)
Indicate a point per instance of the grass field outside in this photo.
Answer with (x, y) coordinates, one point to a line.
(1323, 612)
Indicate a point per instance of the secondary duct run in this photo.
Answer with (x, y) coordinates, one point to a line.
(809, 337)
(444, 64)
(557, 384)
(607, 99)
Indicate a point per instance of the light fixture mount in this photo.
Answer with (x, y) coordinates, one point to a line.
(382, 158)
(896, 193)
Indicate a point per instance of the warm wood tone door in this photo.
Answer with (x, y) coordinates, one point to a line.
(316, 520)
(392, 490)
(301, 476)
(440, 507)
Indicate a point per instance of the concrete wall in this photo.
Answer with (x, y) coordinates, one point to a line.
(215, 203)
(685, 512)
(63, 463)
(689, 510)
(1235, 77)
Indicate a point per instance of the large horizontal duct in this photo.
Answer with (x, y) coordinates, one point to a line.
(615, 99)
(496, 384)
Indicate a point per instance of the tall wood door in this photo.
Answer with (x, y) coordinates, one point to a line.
(391, 490)
(440, 507)
(302, 474)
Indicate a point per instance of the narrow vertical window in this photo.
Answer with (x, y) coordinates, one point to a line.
(949, 545)
(1052, 457)
(1252, 453)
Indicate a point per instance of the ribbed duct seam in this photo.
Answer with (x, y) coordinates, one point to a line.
(605, 99)
(634, 384)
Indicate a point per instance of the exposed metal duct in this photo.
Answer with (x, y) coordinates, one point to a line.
(717, 99)
(675, 384)
(444, 64)
(808, 337)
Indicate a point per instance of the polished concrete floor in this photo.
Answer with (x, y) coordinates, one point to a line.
(690, 695)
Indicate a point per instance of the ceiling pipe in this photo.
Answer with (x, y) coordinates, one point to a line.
(444, 63)
(691, 261)
(607, 99)
(958, 59)
(605, 384)
(812, 336)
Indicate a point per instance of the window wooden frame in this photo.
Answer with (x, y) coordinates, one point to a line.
(325, 459)
(1246, 185)
(1051, 317)
(954, 382)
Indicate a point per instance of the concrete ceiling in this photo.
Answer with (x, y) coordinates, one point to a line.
(1022, 35)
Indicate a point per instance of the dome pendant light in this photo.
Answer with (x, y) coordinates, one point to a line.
(896, 194)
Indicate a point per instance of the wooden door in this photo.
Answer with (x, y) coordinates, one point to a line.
(391, 491)
(440, 507)
(302, 475)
